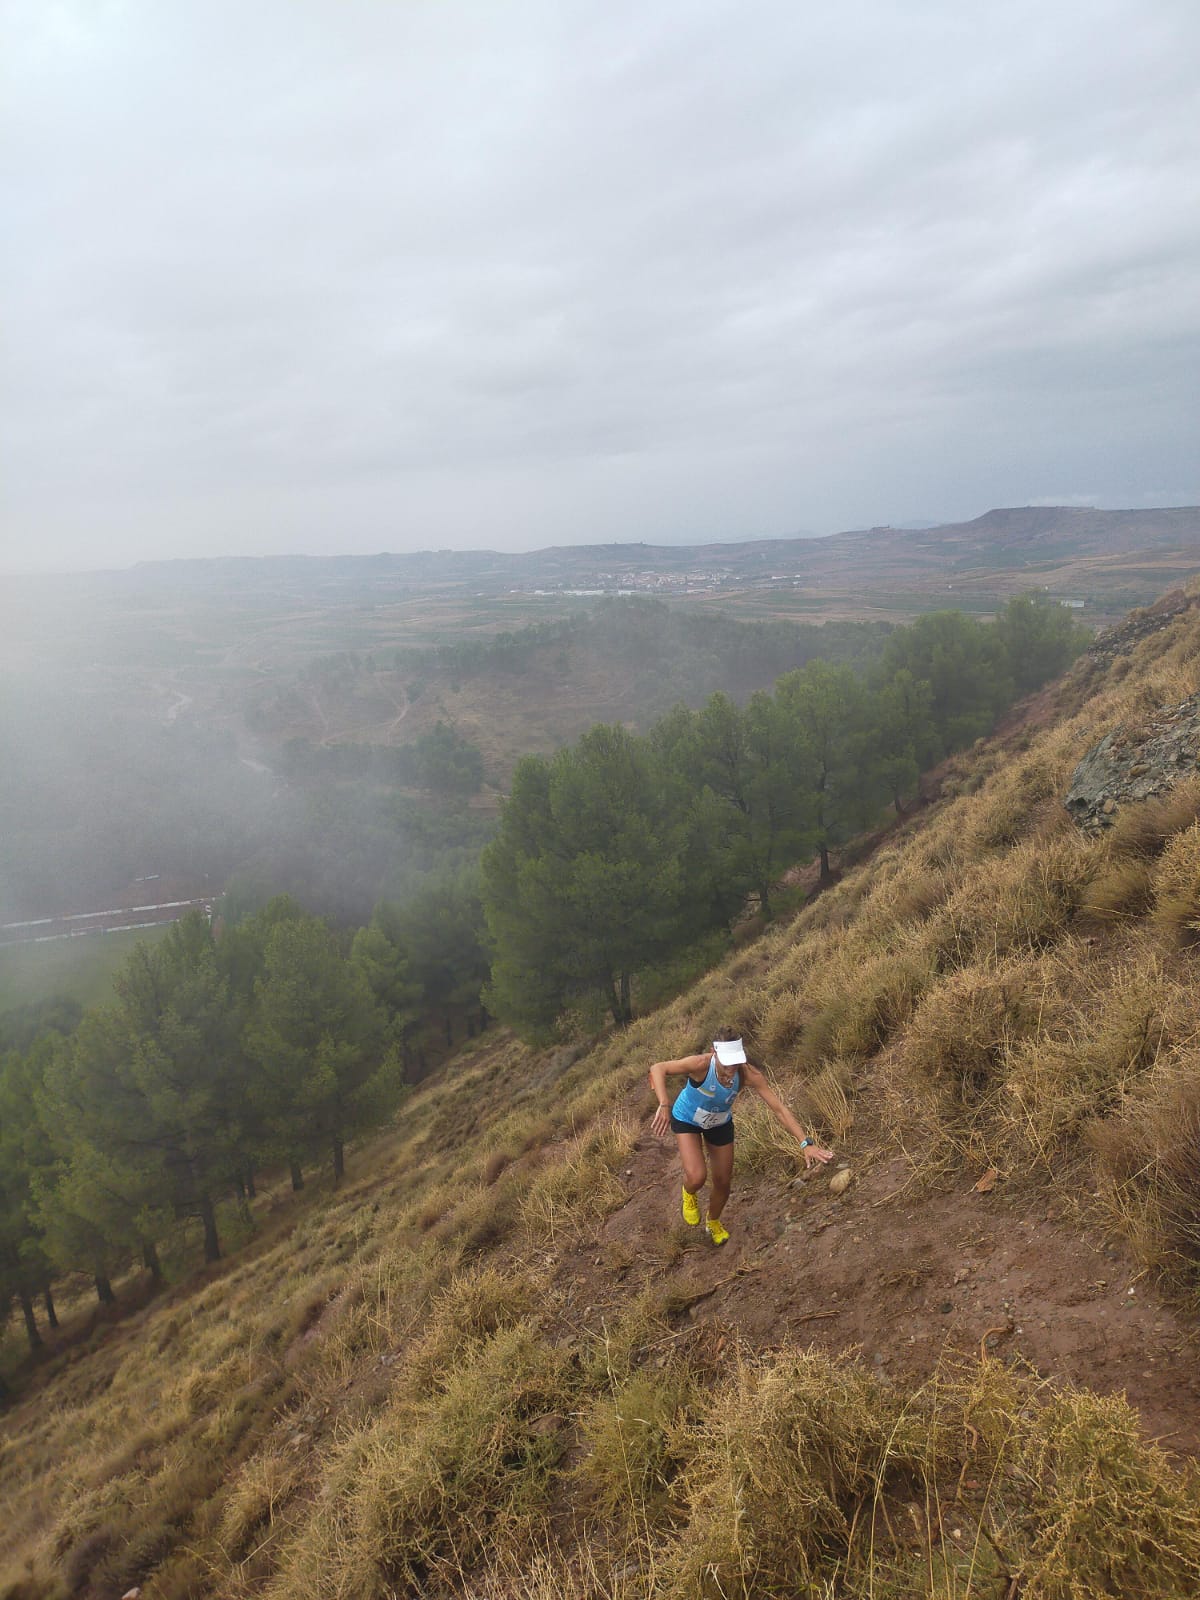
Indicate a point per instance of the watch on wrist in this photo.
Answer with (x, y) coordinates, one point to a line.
(804, 1143)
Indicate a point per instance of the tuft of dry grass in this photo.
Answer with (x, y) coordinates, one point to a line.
(257, 1500)
(575, 1192)
(1144, 829)
(1107, 1514)
(1103, 1034)
(630, 1435)
(1120, 892)
(473, 1306)
(1177, 888)
(824, 1100)
(950, 1065)
(780, 1470)
(1148, 1153)
(442, 1480)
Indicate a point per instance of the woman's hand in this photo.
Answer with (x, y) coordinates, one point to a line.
(661, 1121)
(815, 1155)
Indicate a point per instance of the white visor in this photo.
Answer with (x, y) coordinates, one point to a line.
(729, 1052)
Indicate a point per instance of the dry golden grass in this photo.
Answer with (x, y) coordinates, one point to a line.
(576, 1191)
(439, 1480)
(808, 1472)
(825, 1101)
(1145, 830)
(1148, 1152)
(626, 1475)
(1106, 1031)
(949, 1068)
(1121, 892)
(1176, 888)
(395, 1399)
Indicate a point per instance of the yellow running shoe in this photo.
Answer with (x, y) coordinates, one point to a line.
(691, 1208)
(716, 1232)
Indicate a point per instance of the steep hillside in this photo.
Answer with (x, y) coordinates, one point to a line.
(496, 1363)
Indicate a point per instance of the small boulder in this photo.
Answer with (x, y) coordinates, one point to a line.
(1135, 761)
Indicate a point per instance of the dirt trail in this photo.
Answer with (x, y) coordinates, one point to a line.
(903, 1275)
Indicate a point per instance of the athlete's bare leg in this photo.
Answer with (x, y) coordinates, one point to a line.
(720, 1176)
(691, 1154)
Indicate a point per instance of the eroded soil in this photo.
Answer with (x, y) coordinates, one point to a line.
(900, 1273)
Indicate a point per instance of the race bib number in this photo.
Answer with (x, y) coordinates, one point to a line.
(710, 1119)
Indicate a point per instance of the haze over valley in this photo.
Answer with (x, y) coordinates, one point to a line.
(179, 723)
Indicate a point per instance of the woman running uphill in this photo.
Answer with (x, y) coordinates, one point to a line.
(703, 1115)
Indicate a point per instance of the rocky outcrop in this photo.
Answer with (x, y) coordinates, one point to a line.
(1134, 762)
(1139, 625)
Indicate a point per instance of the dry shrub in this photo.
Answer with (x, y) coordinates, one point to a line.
(942, 850)
(585, 1573)
(849, 1003)
(763, 1147)
(91, 1556)
(880, 998)
(1106, 1031)
(438, 1202)
(1177, 888)
(791, 1473)
(203, 1388)
(443, 1480)
(1024, 900)
(1144, 828)
(483, 1216)
(778, 1470)
(495, 1164)
(473, 1307)
(537, 1132)
(824, 1100)
(629, 1435)
(766, 1148)
(1120, 892)
(1148, 1153)
(998, 817)
(917, 895)
(578, 1190)
(949, 1066)
(255, 1499)
(1039, 903)
(781, 1020)
(1107, 1514)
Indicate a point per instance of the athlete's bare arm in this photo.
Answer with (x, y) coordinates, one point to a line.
(756, 1080)
(658, 1075)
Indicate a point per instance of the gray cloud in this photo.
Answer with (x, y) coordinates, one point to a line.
(317, 275)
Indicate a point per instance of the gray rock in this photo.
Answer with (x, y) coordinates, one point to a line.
(1135, 762)
(1139, 625)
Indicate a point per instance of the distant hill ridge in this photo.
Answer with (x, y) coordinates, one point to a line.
(1096, 530)
(1087, 531)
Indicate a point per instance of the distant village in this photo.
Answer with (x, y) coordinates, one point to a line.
(672, 583)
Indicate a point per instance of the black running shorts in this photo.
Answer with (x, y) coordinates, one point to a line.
(723, 1134)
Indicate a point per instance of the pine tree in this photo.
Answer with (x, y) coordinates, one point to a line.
(316, 1034)
(582, 887)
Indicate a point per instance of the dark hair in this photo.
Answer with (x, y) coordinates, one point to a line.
(726, 1033)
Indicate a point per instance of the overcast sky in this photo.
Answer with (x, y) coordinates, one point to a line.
(357, 275)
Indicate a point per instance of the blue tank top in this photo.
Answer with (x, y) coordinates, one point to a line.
(708, 1104)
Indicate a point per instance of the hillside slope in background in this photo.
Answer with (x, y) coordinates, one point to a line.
(496, 1363)
(1100, 550)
